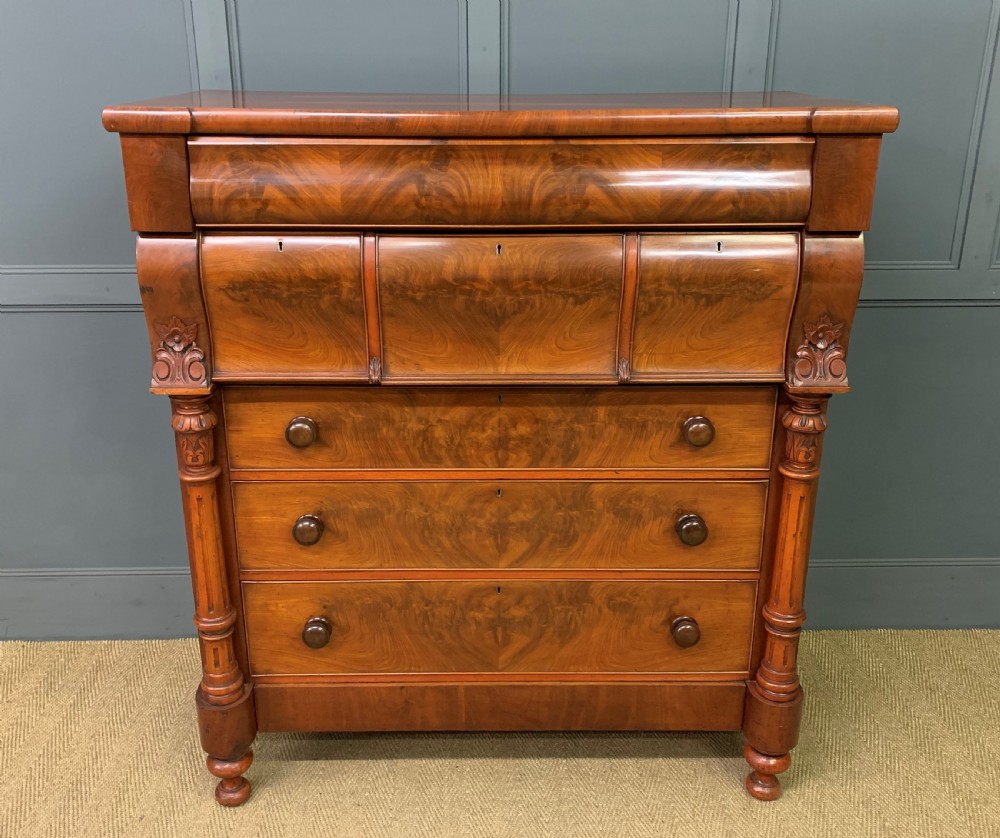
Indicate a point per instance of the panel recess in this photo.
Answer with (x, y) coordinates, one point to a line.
(376, 46)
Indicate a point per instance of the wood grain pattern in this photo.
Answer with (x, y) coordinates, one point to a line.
(477, 706)
(626, 320)
(772, 519)
(272, 113)
(843, 183)
(297, 182)
(500, 428)
(496, 555)
(714, 306)
(457, 307)
(227, 529)
(224, 698)
(516, 524)
(170, 289)
(503, 625)
(373, 326)
(285, 306)
(774, 696)
(832, 270)
(156, 182)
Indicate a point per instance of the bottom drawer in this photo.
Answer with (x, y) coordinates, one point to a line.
(499, 626)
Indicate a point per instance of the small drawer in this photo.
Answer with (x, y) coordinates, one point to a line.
(500, 428)
(697, 524)
(714, 306)
(285, 307)
(519, 307)
(499, 625)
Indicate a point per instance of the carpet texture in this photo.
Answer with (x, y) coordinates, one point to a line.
(901, 737)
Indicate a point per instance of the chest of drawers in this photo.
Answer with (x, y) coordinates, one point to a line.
(498, 418)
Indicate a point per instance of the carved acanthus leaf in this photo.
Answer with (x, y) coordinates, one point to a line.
(178, 362)
(820, 361)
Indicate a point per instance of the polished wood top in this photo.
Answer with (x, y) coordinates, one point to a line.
(386, 115)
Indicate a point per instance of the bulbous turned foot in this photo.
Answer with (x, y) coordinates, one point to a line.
(762, 782)
(233, 788)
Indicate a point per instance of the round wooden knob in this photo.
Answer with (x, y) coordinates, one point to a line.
(316, 632)
(698, 431)
(301, 432)
(307, 529)
(691, 529)
(685, 631)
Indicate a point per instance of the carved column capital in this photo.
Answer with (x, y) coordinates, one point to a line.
(194, 423)
(804, 423)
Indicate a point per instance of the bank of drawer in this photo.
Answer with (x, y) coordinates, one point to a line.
(713, 306)
(468, 307)
(698, 524)
(241, 181)
(498, 625)
(500, 428)
(285, 306)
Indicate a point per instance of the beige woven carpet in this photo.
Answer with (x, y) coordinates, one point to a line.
(901, 737)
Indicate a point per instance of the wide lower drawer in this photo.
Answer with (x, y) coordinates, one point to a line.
(500, 524)
(500, 428)
(498, 625)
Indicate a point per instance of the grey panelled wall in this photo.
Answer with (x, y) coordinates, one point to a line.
(91, 538)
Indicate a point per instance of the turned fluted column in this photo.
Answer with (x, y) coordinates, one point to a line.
(774, 702)
(225, 702)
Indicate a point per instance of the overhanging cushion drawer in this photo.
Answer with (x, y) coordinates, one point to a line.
(240, 181)
(476, 307)
(498, 625)
(285, 306)
(375, 524)
(714, 305)
(499, 428)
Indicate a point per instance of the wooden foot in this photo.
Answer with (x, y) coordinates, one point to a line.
(233, 788)
(762, 782)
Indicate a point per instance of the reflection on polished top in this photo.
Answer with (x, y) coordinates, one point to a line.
(368, 114)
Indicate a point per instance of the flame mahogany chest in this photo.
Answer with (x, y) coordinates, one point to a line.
(499, 416)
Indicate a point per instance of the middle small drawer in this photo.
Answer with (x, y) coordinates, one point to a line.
(697, 524)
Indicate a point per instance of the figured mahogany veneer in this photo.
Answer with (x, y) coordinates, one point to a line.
(500, 428)
(713, 305)
(312, 705)
(499, 418)
(293, 182)
(499, 625)
(465, 307)
(285, 306)
(500, 524)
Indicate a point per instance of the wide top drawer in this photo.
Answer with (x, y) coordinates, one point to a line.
(471, 428)
(245, 181)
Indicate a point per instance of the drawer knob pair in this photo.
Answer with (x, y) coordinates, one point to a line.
(316, 632)
(685, 631)
(691, 529)
(301, 432)
(698, 431)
